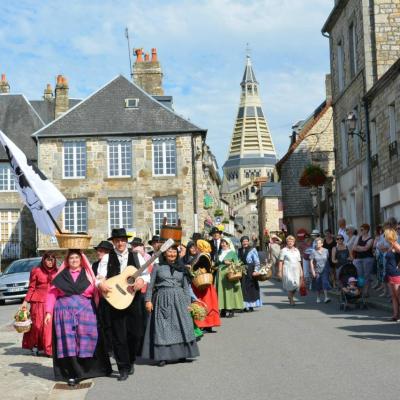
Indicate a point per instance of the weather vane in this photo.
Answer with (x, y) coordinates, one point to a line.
(248, 50)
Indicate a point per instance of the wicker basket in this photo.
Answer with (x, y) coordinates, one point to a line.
(22, 326)
(264, 277)
(234, 276)
(203, 281)
(73, 240)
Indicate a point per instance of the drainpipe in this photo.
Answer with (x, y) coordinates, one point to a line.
(194, 182)
(368, 160)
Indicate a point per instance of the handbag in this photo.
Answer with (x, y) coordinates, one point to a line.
(303, 288)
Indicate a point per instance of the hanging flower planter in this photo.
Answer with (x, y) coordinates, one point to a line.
(218, 212)
(313, 175)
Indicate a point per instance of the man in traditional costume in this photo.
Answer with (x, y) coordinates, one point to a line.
(127, 324)
(215, 243)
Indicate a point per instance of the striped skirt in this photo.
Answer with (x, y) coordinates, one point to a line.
(75, 326)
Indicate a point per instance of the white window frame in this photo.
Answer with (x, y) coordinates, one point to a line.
(10, 178)
(128, 103)
(373, 138)
(121, 224)
(119, 142)
(74, 159)
(165, 210)
(343, 144)
(392, 123)
(340, 65)
(74, 203)
(164, 142)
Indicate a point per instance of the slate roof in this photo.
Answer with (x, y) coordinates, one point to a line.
(45, 108)
(18, 120)
(104, 113)
(305, 128)
(249, 76)
(250, 161)
(271, 189)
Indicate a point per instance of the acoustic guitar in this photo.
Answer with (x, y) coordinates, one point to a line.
(119, 296)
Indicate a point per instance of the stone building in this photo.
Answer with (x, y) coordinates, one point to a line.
(252, 155)
(122, 158)
(383, 101)
(364, 39)
(270, 210)
(311, 143)
(19, 118)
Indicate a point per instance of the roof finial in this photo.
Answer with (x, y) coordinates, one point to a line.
(248, 50)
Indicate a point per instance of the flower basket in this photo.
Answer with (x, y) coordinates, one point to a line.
(265, 273)
(203, 281)
(73, 240)
(22, 323)
(218, 212)
(313, 175)
(235, 271)
(234, 276)
(198, 310)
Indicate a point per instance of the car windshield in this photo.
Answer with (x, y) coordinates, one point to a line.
(22, 266)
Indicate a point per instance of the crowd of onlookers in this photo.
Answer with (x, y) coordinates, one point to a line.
(316, 259)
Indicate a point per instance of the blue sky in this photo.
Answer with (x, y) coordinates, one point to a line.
(201, 45)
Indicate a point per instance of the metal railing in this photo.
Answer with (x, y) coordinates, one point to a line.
(10, 250)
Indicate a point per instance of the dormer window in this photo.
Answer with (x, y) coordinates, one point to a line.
(131, 103)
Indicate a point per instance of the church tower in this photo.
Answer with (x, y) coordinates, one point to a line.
(252, 154)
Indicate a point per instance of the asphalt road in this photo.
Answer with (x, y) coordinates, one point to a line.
(280, 352)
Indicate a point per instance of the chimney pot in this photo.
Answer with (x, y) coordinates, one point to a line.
(154, 55)
(59, 79)
(3, 78)
(147, 57)
(139, 55)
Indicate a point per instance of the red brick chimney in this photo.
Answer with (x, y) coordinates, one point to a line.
(61, 96)
(139, 55)
(4, 85)
(154, 57)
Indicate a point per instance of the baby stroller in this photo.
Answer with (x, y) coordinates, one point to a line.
(346, 272)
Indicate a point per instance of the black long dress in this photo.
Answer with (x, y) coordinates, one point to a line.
(75, 367)
(250, 286)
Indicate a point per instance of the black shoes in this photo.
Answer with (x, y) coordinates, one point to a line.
(72, 382)
(162, 363)
(230, 314)
(222, 313)
(132, 369)
(123, 375)
(208, 330)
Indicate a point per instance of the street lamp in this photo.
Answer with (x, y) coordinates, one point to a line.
(352, 125)
(353, 129)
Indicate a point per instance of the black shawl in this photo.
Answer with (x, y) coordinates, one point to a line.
(65, 282)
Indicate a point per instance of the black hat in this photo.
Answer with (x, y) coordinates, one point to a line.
(245, 237)
(118, 233)
(196, 236)
(155, 239)
(104, 245)
(137, 242)
(215, 230)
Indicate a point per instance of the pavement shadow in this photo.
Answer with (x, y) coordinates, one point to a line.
(35, 369)
(386, 331)
(16, 351)
(5, 344)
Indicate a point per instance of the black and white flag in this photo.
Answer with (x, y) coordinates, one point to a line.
(36, 191)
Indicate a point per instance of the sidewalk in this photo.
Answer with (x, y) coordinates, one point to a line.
(29, 377)
(23, 375)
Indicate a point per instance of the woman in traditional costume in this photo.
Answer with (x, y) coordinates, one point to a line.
(78, 348)
(208, 295)
(230, 297)
(169, 332)
(39, 337)
(250, 286)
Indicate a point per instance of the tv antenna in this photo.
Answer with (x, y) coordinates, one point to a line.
(129, 51)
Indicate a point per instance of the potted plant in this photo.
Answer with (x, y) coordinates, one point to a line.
(225, 221)
(313, 175)
(218, 212)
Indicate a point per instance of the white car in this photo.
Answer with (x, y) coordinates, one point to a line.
(14, 281)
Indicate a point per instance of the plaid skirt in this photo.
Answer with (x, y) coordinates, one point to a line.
(75, 326)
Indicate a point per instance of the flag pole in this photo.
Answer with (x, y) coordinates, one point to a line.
(54, 222)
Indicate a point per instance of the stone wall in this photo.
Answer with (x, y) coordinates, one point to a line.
(142, 187)
(270, 214)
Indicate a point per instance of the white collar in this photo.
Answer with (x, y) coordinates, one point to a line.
(124, 253)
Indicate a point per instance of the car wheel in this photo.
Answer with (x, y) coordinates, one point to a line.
(2, 302)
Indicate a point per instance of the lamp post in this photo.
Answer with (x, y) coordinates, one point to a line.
(351, 125)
